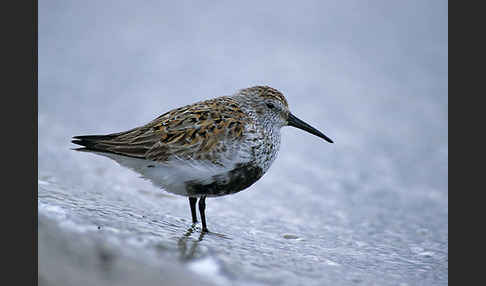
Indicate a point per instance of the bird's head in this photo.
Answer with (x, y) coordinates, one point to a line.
(272, 108)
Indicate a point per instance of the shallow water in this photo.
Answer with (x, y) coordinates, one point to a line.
(280, 231)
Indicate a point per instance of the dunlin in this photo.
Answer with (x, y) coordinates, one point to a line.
(210, 148)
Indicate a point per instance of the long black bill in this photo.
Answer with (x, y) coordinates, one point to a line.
(296, 122)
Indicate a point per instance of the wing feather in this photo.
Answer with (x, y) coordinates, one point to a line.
(208, 130)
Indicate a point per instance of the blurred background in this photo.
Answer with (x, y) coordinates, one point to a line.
(372, 75)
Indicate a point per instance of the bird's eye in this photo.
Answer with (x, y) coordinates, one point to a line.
(270, 105)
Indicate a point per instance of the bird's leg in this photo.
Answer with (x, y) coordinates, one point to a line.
(192, 203)
(202, 208)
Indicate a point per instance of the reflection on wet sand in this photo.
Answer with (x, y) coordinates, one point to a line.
(187, 246)
(187, 252)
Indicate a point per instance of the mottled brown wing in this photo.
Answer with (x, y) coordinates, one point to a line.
(200, 131)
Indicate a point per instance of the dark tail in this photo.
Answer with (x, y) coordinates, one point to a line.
(116, 143)
(90, 141)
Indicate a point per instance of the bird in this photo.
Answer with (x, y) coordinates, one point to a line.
(210, 148)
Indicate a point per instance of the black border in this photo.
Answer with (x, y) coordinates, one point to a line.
(19, 141)
(35, 107)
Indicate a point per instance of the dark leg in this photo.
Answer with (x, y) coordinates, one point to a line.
(192, 203)
(202, 208)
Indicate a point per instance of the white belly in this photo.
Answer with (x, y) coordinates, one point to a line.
(174, 175)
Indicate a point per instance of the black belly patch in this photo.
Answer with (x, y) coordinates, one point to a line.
(238, 179)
